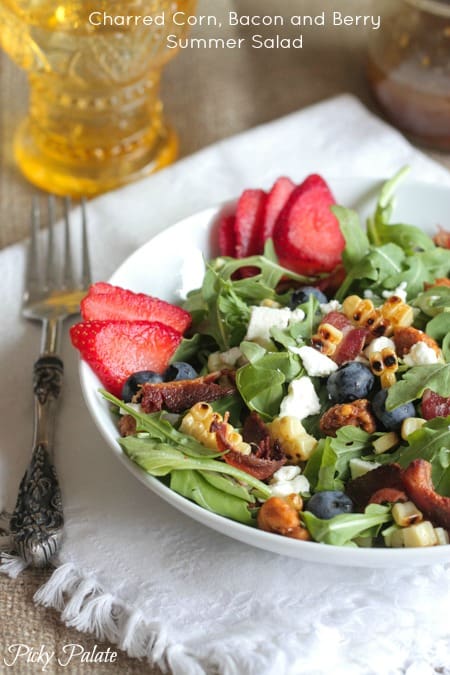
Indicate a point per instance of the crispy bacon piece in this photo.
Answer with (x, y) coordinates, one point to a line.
(388, 496)
(180, 395)
(255, 429)
(434, 405)
(353, 339)
(419, 486)
(361, 489)
(442, 238)
(262, 463)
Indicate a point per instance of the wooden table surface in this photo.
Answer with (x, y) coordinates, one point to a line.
(208, 95)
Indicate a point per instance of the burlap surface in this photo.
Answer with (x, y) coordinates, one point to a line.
(208, 95)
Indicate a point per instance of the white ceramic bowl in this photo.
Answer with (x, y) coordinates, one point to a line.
(171, 264)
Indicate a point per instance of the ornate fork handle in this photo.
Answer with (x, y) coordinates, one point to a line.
(37, 522)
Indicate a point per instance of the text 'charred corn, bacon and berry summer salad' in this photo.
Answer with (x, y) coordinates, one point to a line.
(305, 387)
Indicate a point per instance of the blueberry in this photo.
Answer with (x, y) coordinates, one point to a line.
(179, 370)
(301, 295)
(131, 386)
(350, 382)
(330, 503)
(391, 419)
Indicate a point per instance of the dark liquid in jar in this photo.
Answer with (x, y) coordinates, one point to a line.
(409, 72)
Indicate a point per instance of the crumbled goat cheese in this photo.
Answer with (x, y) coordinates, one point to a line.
(288, 480)
(262, 319)
(301, 400)
(227, 359)
(420, 354)
(377, 345)
(400, 292)
(332, 306)
(316, 364)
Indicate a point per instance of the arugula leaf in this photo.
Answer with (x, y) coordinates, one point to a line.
(260, 382)
(434, 300)
(384, 207)
(160, 429)
(356, 241)
(342, 529)
(328, 466)
(160, 459)
(415, 380)
(194, 486)
(374, 269)
(439, 327)
(221, 307)
(262, 389)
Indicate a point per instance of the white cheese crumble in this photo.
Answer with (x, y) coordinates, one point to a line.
(262, 319)
(332, 306)
(227, 359)
(301, 400)
(316, 364)
(378, 345)
(288, 480)
(400, 292)
(420, 354)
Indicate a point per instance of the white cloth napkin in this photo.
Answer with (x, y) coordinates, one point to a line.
(138, 572)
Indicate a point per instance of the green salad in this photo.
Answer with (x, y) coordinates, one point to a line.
(312, 412)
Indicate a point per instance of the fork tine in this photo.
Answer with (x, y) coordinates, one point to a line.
(86, 263)
(50, 274)
(68, 265)
(32, 279)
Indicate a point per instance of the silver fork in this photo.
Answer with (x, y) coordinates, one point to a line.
(50, 296)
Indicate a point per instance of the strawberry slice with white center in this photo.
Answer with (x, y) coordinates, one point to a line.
(105, 302)
(117, 349)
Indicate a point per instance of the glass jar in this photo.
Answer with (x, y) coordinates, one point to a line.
(409, 69)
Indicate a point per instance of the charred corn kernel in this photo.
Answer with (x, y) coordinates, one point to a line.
(406, 513)
(326, 339)
(293, 438)
(385, 443)
(397, 312)
(421, 534)
(385, 365)
(411, 424)
(363, 313)
(441, 536)
(197, 423)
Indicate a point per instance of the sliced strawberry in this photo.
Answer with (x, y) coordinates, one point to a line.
(276, 200)
(307, 236)
(227, 236)
(101, 287)
(105, 302)
(116, 349)
(434, 405)
(249, 222)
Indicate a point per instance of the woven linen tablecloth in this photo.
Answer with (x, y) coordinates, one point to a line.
(135, 571)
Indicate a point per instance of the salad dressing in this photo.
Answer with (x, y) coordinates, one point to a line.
(409, 69)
